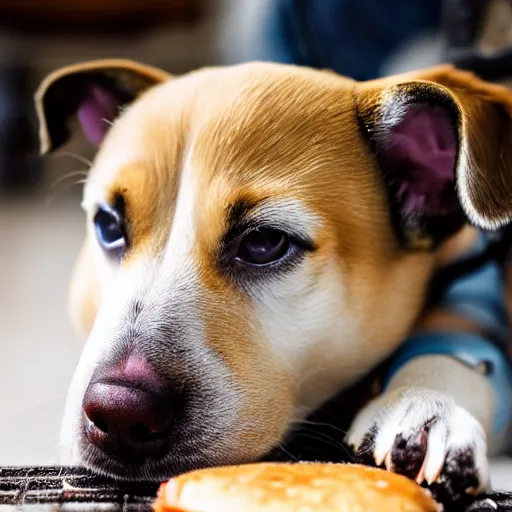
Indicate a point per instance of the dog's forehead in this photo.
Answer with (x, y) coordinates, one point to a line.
(249, 131)
(229, 111)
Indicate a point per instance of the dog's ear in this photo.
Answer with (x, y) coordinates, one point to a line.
(443, 139)
(93, 92)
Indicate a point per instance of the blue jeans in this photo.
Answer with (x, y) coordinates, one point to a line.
(351, 37)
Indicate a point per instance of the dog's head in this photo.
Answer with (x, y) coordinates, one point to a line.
(258, 237)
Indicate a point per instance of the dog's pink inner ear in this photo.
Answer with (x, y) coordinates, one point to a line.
(421, 156)
(96, 112)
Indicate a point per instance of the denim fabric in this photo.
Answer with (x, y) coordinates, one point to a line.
(351, 37)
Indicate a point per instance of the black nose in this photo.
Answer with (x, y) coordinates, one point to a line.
(126, 423)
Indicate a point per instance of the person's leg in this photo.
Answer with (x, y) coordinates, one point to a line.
(353, 38)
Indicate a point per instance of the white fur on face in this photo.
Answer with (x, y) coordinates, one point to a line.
(121, 285)
(167, 283)
(306, 321)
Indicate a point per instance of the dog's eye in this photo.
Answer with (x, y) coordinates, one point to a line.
(263, 246)
(110, 231)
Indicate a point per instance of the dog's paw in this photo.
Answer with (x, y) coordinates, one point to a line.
(424, 435)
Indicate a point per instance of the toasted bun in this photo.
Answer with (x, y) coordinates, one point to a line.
(293, 488)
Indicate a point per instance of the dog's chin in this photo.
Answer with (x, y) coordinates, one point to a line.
(150, 470)
(173, 463)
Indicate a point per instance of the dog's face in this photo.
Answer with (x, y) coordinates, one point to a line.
(249, 250)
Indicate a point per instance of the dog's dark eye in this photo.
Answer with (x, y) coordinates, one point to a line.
(263, 246)
(110, 231)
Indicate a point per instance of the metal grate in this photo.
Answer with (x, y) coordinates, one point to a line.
(70, 489)
(498, 501)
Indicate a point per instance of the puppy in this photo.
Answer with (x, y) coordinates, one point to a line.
(262, 236)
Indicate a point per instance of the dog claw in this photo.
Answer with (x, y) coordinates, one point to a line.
(388, 462)
(420, 477)
(379, 459)
(442, 446)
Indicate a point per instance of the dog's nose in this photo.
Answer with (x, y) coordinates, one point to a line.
(126, 422)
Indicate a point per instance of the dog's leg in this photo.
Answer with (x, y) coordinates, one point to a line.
(437, 413)
(422, 432)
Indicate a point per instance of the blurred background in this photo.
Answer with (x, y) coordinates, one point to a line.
(41, 224)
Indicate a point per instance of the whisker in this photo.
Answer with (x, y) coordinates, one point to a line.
(52, 197)
(293, 457)
(304, 427)
(328, 440)
(319, 424)
(68, 175)
(73, 155)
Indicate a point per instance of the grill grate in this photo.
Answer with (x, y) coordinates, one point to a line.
(72, 488)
